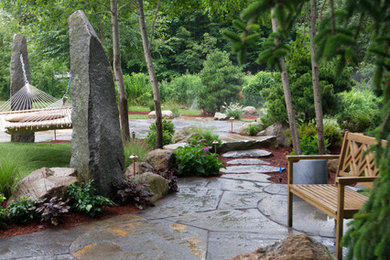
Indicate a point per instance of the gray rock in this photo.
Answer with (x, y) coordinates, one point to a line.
(173, 147)
(157, 184)
(45, 183)
(97, 149)
(249, 169)
(161, 159)
(140, 167)
(220, 116)
(256, 177)
(165, 114)
(249, 111)
(246, 162)
(17, 81)
(277, 130)
(232, 142)
(182, 134)
(247, 153)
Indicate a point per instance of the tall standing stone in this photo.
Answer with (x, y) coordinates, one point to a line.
(17, 80)
(97, 149)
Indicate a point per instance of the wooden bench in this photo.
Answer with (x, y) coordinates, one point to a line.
(336, 200)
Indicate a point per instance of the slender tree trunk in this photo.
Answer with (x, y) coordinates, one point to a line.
(288, 97)
(123, 109)
(152, 74)
(316, 80)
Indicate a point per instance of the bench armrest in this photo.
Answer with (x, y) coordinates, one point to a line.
(297, 158)
(352, 180)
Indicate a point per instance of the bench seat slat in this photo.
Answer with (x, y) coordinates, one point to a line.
(324, 197)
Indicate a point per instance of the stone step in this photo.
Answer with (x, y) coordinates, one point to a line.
(249, 169)
(247, 153)
(232, 142)
(246, 162)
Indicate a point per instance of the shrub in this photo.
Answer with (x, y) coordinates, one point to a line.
(51, 210)
(139, 194)
(359, 110)
(21, 211)
(168, 131)
(197, 160)
(83, 198)
(222, 81)
(183, 90)
(253, 129)
(252, 87)
(233, 110)
(309, 145)
(9, 170)
(137, 147)
(208, 136)
(138, 89)
(175, 108)
(332, 131)
(3, 212)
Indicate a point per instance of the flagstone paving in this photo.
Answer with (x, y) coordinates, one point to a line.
(247, 153)
(207, 219)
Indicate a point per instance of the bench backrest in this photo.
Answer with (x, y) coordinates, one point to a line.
(354, 161)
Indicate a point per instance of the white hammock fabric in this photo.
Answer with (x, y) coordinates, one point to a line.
(31, 110)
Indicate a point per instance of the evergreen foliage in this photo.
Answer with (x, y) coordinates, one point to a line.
(221, 78)
(253, 86)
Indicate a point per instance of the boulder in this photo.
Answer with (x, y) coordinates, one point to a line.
(249, 111)
(161, 159)
(244, 128)
(45, 183)
(277, 130)
(297, 246)
(18, 80)
(97, 148)
(165, 114)
(333, 164)
(181, 134)
(140, 167)
(157, 184)
(220, 116)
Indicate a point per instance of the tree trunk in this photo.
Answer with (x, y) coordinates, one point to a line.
(316, 80)
(152, 74)
(288, 97)
(123, 109)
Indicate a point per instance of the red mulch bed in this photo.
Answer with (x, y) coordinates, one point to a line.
(69, 220)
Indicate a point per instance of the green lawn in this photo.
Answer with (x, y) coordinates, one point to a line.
(37, 155)
(138, 108)
(138, 116)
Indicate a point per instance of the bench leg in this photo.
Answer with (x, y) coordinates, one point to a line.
(339, 235)
(290, 209)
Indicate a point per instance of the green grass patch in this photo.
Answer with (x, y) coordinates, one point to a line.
(33, 156)
(138, 116)
(138, 108)
(190, 112)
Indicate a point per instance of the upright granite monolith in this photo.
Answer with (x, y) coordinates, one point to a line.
(97, 149)
(18, 79)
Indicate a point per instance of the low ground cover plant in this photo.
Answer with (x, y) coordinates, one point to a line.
(21, 211)
(139, 194)
(84, 199)
(196, 160)
(3, 212)
(51, 210)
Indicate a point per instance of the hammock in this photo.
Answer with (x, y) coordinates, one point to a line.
(32, 110)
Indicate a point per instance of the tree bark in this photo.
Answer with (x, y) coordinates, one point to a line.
(152, 74)
(287, 97)
(316, 80)
(123, 109)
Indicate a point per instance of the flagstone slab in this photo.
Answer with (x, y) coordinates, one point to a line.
(245, 220)
(236, 185)
(247, 153)
(279, 189)
(225, 245)
(239, 200)
(186, 201)
(142, 240)
(306, 218)
(257, 177)
(246, 162)
(231, 142)
(249, 169)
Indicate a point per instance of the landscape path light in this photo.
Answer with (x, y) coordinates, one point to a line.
(133, 157)
(215, 142)
(231, 125)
